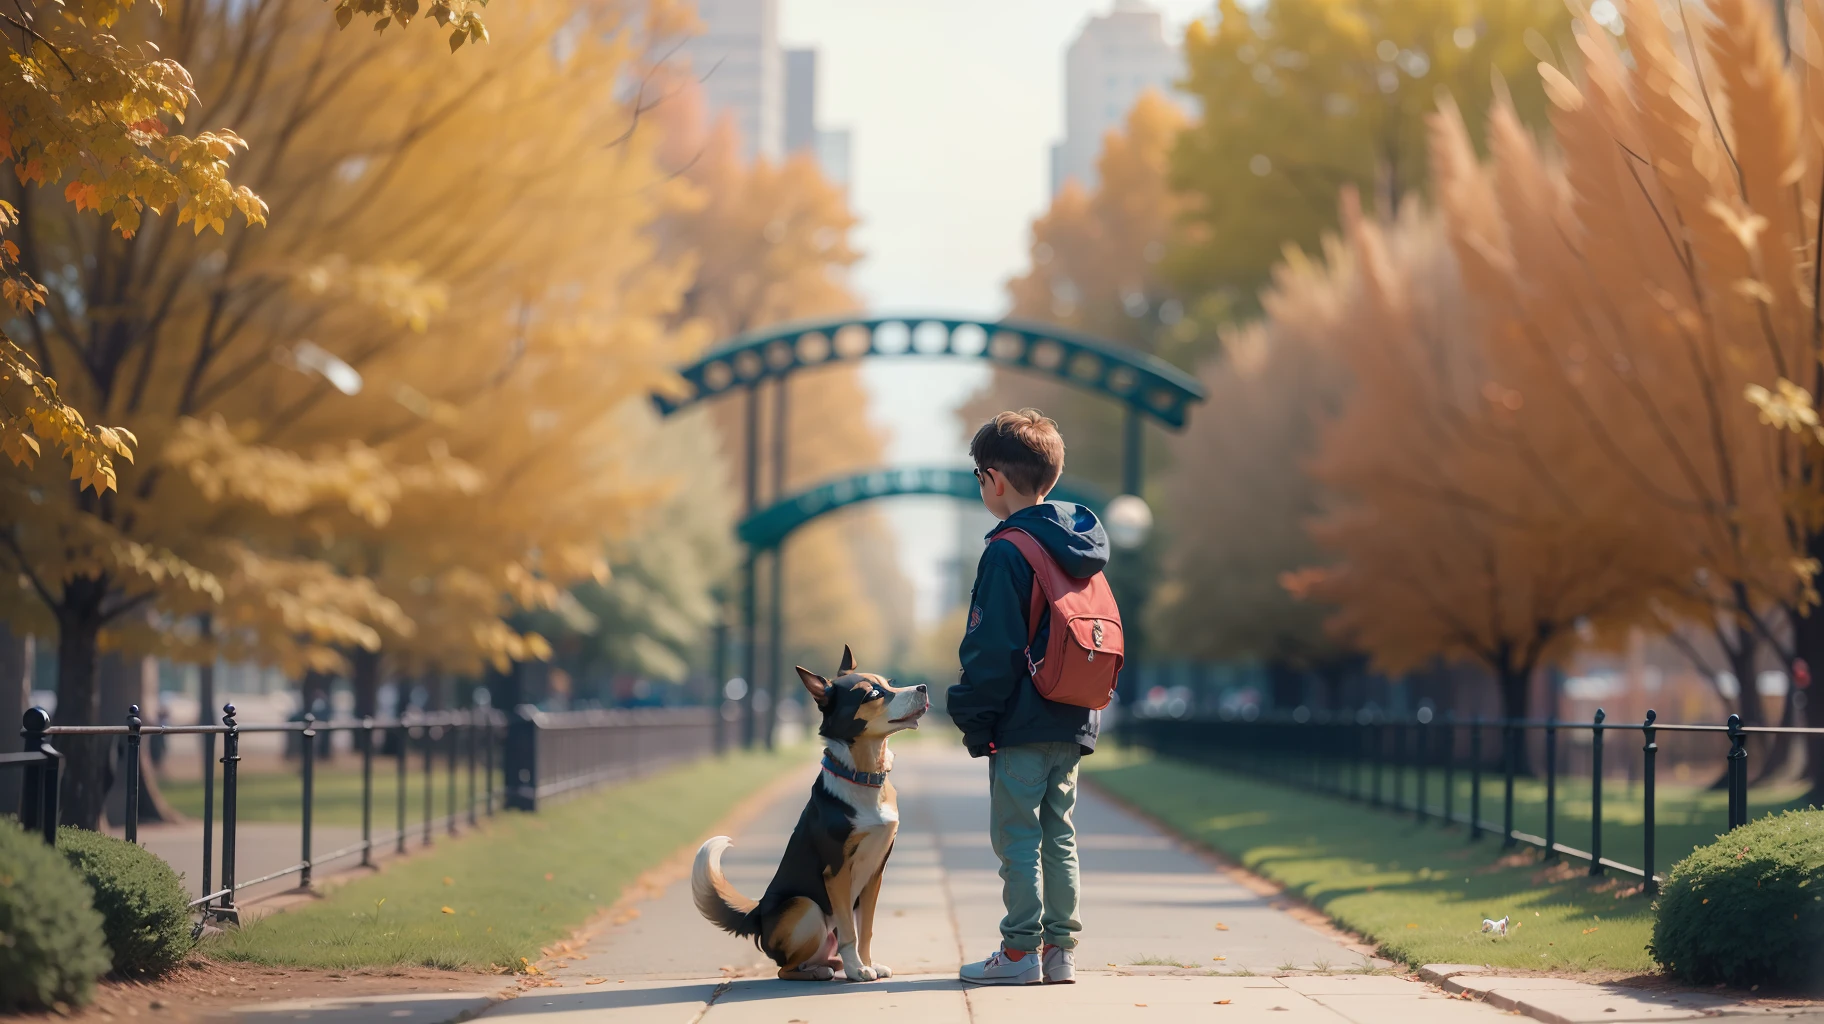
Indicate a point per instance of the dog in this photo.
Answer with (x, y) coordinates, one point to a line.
(818, 912)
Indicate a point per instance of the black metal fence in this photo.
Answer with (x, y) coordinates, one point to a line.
(553, 753)
(545, 754)
(1377, 761)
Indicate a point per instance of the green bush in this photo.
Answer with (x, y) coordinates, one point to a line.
(51, 943)
(1749, 908)
(141, 900)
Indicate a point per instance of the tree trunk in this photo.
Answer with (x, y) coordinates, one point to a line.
(125, 682)
(365, 680)
(1743, 652)
(1516, 692)
(87, 769)
(1808, 646)
(15, 695)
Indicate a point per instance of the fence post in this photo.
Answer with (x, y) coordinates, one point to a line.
(430, 789)
(367, 792)
(1596, 794)
(487, 750)
(1475, 779)
(522, 760)
(405, 753)
(1738, 773)
(310, 784)
(1450, 766)
(38, 806)
(1509, 750)
(231, 761)
(1418, 741)
(1551, 789)
(1377, 747)
(469, 735)
(1649, 753)
(208, 739)
(134, 725)
(450, 733)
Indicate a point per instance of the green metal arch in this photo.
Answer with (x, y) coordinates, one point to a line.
(1148, 385)
(769, 527)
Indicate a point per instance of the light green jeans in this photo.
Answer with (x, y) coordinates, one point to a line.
(1033, 790)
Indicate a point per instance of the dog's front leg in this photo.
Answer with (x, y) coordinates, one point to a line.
(841, 889)
(864, 923)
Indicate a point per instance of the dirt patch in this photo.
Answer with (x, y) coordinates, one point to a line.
(204, 990)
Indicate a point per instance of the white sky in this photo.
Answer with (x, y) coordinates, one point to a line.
(954, 105)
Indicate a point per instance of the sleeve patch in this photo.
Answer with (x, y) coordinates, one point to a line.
(975, 619)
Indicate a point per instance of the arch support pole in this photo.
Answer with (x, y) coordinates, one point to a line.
(775, 651)
(1133, 452)
(751, 503)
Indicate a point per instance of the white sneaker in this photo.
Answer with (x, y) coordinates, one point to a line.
(999, 969)
(1060, 965)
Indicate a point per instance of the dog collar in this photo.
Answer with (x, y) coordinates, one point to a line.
(843, 771)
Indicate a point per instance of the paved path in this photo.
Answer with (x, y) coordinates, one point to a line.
(1145, 899)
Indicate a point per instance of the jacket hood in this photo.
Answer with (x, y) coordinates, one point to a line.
(1069, 532)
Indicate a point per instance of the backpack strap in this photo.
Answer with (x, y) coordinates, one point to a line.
(1029, 549)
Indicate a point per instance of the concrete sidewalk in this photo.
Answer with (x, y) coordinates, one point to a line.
(1150, 946)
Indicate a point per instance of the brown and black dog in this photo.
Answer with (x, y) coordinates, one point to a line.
(818, 913)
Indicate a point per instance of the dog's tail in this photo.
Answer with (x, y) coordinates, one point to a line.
(716, 899)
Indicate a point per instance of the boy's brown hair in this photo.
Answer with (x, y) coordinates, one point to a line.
(1025, 446)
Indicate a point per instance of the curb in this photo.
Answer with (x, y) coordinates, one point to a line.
(1568, 1001)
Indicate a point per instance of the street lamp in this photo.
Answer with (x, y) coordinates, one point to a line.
(1129, 520)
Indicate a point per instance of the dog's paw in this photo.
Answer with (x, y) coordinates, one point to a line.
(821, 973)
(882, 972)
(863, 973)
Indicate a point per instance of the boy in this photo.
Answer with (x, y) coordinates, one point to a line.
(1032, 744)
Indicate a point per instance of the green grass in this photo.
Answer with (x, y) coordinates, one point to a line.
(1419, 891)
(336, 793)
(521, 883)
(1685, 816)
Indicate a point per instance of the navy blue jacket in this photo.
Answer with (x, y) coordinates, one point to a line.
(995, 703)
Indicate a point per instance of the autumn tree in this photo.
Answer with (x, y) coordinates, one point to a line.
(1303, 97)
(87, 104)
(1239, 473)
(1661, 268)
(1455, 533)
(370, 423)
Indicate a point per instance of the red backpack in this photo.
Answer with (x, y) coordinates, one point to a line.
(1083, 654)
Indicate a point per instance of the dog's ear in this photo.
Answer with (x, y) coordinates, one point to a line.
(817, 686)
(848, 661)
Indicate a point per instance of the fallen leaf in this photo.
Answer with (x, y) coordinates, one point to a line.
(1587, 931)
(548, 876)
(447, 880)
(1223, 1002)
(1219, 958)
(447, 910)
(1410, 924)
(595, 981)
(1221, 927)
(1139, 1004)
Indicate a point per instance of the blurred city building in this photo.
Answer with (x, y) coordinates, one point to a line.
(1116, 57)
(769, 92)
(804, 132)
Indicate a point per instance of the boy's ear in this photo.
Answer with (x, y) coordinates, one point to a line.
(848, 661)
(814, 684)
